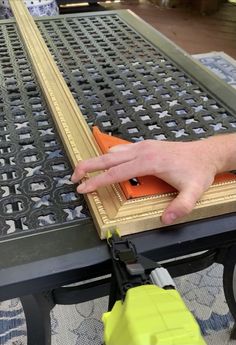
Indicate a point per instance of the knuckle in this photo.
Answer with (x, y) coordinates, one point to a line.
(187, 205)
(146, 144)
(81, 166)
(106, 159)
(91, 184)
(150, 156)
(77, 167)
(112, 174)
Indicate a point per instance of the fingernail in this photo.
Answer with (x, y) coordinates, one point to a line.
(81, 187)
(170, 218)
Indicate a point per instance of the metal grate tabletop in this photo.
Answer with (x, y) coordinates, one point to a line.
(124, 83)
(35, 187)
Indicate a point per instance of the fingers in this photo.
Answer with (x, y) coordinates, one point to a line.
(100, 163)
(182, 205)
(119, 173)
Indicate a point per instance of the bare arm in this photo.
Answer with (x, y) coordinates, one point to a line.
(189, 167)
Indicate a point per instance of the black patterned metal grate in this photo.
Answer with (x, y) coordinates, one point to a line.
(123, 84)
(127, 86)
(35, 187)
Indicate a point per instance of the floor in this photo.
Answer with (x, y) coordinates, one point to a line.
(192, 31)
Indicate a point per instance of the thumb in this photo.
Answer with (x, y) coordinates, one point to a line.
(182, 205)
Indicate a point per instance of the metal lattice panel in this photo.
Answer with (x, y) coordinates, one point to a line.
(126, 86)
(35, 187)
(123, 84)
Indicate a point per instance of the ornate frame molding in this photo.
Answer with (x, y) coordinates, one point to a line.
(108, 205)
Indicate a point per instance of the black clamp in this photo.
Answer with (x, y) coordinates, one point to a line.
(129, 268)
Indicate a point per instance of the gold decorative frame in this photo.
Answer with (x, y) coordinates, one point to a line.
(108, 205)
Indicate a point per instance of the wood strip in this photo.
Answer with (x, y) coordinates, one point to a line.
(66, 113)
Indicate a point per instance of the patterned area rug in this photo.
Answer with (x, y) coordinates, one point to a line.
(221, 64)
(203, 292)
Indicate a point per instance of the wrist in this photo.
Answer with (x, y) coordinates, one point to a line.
(222, 152)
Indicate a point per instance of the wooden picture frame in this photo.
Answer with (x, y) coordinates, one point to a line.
(109, 207)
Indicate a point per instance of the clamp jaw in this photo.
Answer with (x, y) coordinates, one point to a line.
(129, 268)
(143, 313)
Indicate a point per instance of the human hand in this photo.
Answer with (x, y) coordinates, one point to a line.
(190, 167)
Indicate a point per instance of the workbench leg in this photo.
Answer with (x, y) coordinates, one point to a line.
(229, 282)
(233, 332)
(37, 314)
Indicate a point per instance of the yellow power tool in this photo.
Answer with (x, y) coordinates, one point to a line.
(146, 308)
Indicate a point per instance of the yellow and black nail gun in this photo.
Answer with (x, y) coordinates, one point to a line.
(145, 309)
